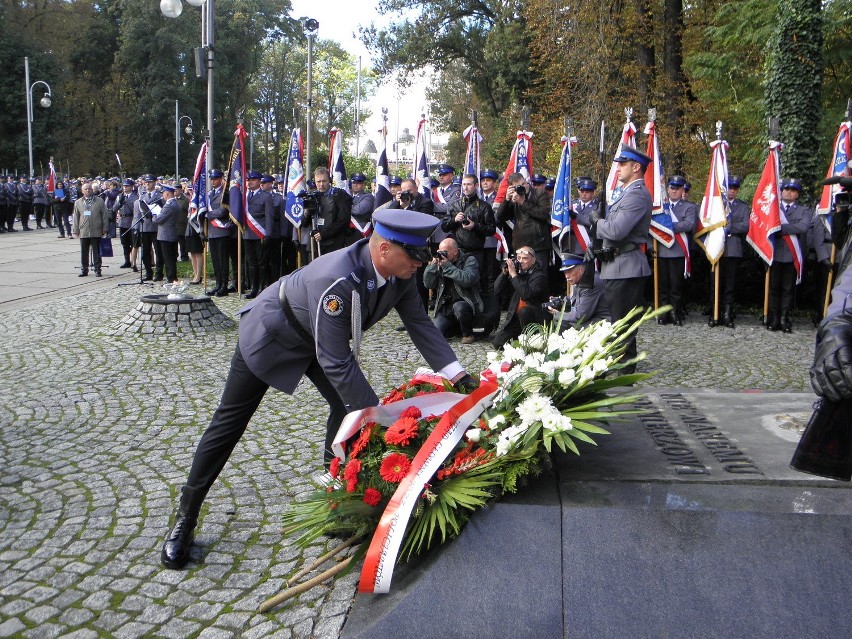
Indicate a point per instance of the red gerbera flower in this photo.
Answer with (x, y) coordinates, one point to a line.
(334, 467)
(395, 467)
(412, 411)
(352, 470)
(402, 431)
(372, 497)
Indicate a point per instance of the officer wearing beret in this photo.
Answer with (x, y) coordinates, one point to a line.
(736, 230)
(782, 272)
(363, 204)
(221, 234)
(302, 326)
(624, 267)
(260, 216)
(671, 260)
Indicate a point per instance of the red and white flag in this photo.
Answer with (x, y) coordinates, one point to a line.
(628, 137)
(714, 211)
(520, 161)
(765, 219)
(51, 181)
(838, 166)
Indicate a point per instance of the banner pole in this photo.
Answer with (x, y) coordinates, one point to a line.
(766, 298)
(656, 277)
(204, 257)
(716, 270)
(239, 260)
(828, 282)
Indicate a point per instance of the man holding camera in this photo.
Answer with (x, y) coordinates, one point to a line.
(587, 303)
(525, 278)
(454, 276)
(530, 211)
(624, 232)
(409, 198)
(329, 219)
(470, 222)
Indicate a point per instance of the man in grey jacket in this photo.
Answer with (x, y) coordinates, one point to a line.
(455, 278)
(167, 233)
(90, 224)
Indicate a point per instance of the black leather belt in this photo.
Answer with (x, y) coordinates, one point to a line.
(291, 318)
(627, 248)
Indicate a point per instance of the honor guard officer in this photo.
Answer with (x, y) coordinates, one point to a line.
(363, 204)
(220, 234)
(273, 239)
(587, 303)
(539, 181)
(289, 252)
(123, 208)
(4, 204)
(301, 327)
(12, 203)
(259, 218)
(624, 267)
(735, 232)
(488, 182)
(25, 201)
(782, 272)
(40, 200)
(147, 239)
(167, 233)
(446, 194)
(671, 261)
(582, 207)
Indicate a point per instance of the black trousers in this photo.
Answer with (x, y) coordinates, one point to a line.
(273, 271)
(671, 281)
(26, 209)
(454, 318)
(160, 258)
(90, 249)
(257, 262)
(126, 237)
(148, 241)
(39, 213)
(220, 249)
(531, 314)
(11, 214)
(782, 287)
(623, 296)
(169, 253)
(240, 399)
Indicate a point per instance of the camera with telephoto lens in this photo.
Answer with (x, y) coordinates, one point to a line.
(521, 190)
(556, 303)
(310, 201)
(405, 198)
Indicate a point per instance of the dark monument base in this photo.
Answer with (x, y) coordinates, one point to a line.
(686, 522)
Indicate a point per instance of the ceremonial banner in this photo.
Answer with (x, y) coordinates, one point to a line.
(51, 181)
(471, 156)
(765, 219)
(661, 220)
(383, 194)
(234, 195)
(837, 166)
(336, 166)
(198, 205)
(420, 169)
(294, 179)
(520, 161)
(628, 137)
(561, 221)
(715, 209)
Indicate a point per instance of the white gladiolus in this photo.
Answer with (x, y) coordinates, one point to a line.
(473, 435)
(567, 377)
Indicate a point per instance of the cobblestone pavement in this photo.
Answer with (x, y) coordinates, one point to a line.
(98, 430)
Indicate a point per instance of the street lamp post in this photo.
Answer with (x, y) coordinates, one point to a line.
(178, 120)
(310, 26)
(45, 102)
(172, 9)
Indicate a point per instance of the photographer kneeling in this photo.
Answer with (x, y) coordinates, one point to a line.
(588, 301)
(527, 281)
(455, 276)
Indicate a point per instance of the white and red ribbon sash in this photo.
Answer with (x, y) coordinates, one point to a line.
(795, 247)
(363, 229)
(252, 223)
(377, 573)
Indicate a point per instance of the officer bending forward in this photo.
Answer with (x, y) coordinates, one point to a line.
(302, 325)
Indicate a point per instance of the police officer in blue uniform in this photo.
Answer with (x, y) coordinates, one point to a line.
(671, 259)
(302, 326)
(587, 303)
(273, 237)
(25, 201)
(221, 232)
(147, 236)
(167, 233)
(123, 208)
(261, 209)
(735, 233)
(363, 204)
(782, 272)
(446, 193)
(4, 204)
(624, 267)
(12, 203)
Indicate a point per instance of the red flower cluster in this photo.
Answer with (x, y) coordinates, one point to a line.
(350, 474)
(469, 457)
(395, 467)
(334, 467)
(402, 431)
(372, 497)
(364, 439)
(414, 388)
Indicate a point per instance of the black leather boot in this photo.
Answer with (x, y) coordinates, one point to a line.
(728, 316)
(786, 324)
(175, 553)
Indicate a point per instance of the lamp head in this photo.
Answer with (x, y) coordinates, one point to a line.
(310, 26)
(188, 129)
(195, 3)
(171, 8)
(45, 101)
